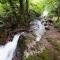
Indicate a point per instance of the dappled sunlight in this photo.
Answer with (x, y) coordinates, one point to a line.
(45, 13)
(36, 20)
(37, 1)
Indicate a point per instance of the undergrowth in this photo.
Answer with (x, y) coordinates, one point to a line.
(41, 56)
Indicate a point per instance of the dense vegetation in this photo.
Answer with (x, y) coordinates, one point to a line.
(21, 10)
(15, 14)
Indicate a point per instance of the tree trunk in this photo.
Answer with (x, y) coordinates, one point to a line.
(12, 7)
(58, 12)
(27, 6)
(21, 7)
(27, 12)
(22, 12)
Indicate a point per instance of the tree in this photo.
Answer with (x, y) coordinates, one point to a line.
(58, 10)
(27, 6)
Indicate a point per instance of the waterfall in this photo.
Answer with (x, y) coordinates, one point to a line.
(7, 51)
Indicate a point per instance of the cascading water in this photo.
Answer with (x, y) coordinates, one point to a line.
(37, 28)
(7, 51)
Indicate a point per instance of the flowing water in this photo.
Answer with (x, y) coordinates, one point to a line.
(37, 29)
(7, 51)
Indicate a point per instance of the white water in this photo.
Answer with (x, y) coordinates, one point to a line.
(38, 29)
(7, 51)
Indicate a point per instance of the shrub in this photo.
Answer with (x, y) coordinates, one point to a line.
(57, 25)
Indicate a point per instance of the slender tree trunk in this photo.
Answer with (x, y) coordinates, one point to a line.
(21, 7)
(58, 15)
(22, 12)
(13, 8)
(27, 12)
(24, 4)
(27, 6)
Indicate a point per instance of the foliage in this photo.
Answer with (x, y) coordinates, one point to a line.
(41, 5)
(22, 11)
(36, 5)
(58, 25)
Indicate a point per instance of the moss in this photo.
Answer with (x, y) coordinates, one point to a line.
(41, 56)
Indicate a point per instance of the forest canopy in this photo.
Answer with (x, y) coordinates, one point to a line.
(23, 10)
(36, 5)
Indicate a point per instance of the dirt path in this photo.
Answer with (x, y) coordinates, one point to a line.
(52, 33)
(52, 42)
